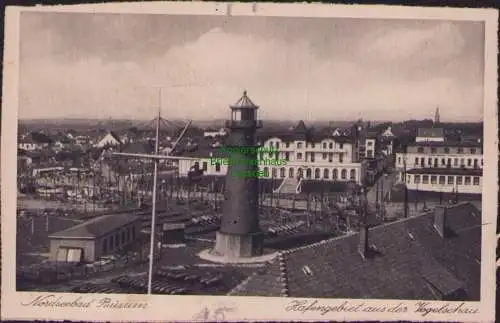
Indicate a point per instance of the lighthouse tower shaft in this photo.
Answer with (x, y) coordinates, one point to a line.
(240, 234)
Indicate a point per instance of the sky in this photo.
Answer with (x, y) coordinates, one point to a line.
(81, 65)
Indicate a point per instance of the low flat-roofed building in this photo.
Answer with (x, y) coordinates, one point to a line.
(95, 238)
(446, 180)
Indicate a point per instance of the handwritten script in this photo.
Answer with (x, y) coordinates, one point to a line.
(422, 308)
(214, 313)
(84, 302)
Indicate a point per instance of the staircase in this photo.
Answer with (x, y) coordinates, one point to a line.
(288, 186)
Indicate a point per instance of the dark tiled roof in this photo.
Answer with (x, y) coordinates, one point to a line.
(410, 261)
(97, 227)
(430, 132)
(447, 171)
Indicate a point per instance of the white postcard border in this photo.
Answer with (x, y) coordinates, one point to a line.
(187, 308)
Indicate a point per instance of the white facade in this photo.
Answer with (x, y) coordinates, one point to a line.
(370, 147)
(212, 134)
(30, 146)
(439, 159)
(449, 183)
(325, 160)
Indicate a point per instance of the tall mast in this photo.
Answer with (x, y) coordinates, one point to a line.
(153, 212)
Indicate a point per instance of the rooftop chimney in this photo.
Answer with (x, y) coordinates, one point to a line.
(440, 220)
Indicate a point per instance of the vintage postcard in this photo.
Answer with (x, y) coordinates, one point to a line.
(249, 162)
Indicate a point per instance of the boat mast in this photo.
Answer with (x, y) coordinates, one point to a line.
(153, 212)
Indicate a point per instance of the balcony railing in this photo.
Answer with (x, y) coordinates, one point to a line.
(232, 124)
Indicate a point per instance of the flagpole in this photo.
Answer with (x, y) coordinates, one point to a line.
(153, 212)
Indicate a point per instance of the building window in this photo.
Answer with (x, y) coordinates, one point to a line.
(448, 164)
(469, 162)
(217, 167)
(425, 179)
(335, 173)
(370, 143)
(443, 161)
(352, 174)
(433, 150)
(462, 162)
(416, 179)
(482, 162)
(287, 155)
(467, 180)
(274, 172)
(325, 155)
(341, 146)
(433, 179)
(475, 180)
(408, 178)
(324, 145)
(446, 150)
(450, 180)
(299, 145)
(277, 155)
(416, 161)
(312, 157)
(330, 145)
(266, 171)
(282, 172)
(205, 166)
(399, 160)
(455, 162)
(460, 150)
(341, 158)
(290, 172)
(317, 173)
(473, 151)
(343, 174)
(308, 173)
(370, 154)
(313, 145)
(476, 163)
(287, 145)
(442, 180)
(326, 173)
(420, 150)
(459, 180)
(299, 156)
(429, 161)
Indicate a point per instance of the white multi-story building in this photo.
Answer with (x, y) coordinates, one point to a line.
(440, 166)
(299, 155)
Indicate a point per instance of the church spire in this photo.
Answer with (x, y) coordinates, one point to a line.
(436, 116)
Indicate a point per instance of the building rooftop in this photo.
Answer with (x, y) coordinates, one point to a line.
(409, 260)
(96, 227)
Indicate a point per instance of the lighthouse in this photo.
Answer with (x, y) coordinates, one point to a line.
(240, 235)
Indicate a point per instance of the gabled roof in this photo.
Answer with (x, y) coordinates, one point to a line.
(430, 132)
(410, 261)
(96, 227)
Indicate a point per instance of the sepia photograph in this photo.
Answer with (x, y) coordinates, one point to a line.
(300, 162)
